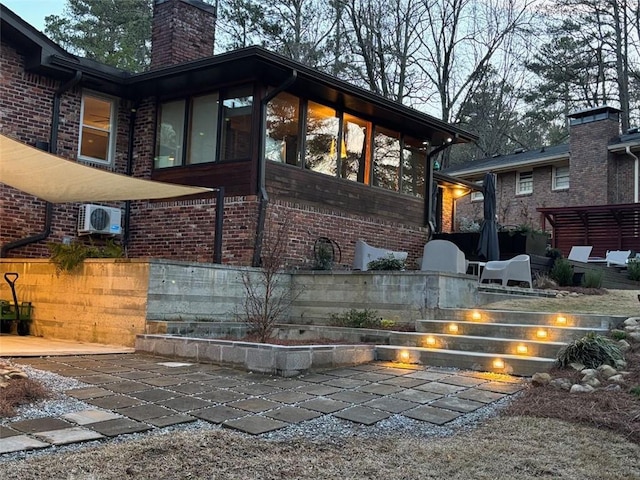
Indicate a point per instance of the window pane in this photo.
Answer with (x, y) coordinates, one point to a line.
(95, 144)
(525, 182)
(561, 178)
(356, 134)
(170, 134)
(95, 133)
(237, 109)
(414, 159)
(203, 129)
(321, 143)
(386, 159)
(281, 138)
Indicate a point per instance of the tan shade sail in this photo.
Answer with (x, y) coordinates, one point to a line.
(58, 180)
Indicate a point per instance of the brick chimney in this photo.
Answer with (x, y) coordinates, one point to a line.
(590, 132)
(182, 30)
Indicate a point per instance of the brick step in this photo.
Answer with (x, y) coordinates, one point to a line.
(480, 361)
(514, 331)
(534, 318)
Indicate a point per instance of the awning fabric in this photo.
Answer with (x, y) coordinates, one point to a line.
(57, 180)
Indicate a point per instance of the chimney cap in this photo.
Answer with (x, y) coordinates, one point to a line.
(593, 111)
(195, 3)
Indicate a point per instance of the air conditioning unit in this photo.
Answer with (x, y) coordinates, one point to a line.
(99, 219)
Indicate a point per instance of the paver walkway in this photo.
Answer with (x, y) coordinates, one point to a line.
(135, 393)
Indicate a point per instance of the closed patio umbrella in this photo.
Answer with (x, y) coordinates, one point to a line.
(488, 246)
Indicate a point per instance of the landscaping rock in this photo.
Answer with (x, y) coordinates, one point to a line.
(635, 336)
(577, 388)
(613, 387)
(617, 379)
(631, 322)
(623, 345)
(621, 364)
(607, 371)
(577, 366)
(540, 379)
(7, 372)
(592, 382)
(589, 373)
(563, 383)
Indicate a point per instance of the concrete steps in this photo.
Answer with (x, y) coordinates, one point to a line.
(517, 343)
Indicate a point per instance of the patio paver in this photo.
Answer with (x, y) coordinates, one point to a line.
(171, 420)
(19, 443)
(85, 417)
(484, 396)
(390, 404)
(325, 405)
(361, 414)
(118, 426)
(219, 414)
(255, 425)
(292, 414)
(457, 404)
(66, 436)
(39, 425)
(426, 413)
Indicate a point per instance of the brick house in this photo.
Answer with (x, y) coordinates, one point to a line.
(585, 192)
(280, 138)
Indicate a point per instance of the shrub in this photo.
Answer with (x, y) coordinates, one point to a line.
(542, 280)
(618, 334)
(386, 263)
(20, 391)
(562, 272)
(67, 257)
(633, 269)
(592, 350)
(635, 391)
(554, 253)
(592, 279)
(357, 319)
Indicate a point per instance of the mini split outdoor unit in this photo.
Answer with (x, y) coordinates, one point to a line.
(99, 219)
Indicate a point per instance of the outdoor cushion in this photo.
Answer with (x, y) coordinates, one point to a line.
(443, 256)
(366, 253)
(617, 258)
(580, 253)
(518, 269)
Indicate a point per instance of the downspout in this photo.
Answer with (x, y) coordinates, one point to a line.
(129, 171)
(53, 148)
(636, 171)
(262, 189)
(428, 198)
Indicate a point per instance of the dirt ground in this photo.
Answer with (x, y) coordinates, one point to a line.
(612, 302)
(505, 447)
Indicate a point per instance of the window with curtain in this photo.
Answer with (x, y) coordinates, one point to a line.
(97, 125)
(282, 129)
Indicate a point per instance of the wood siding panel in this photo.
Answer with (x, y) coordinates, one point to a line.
(238, 178)
(297, 185)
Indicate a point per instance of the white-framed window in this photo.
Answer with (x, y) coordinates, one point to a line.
(524, 182)
(560, 177)
(97, 128)
(477, 196)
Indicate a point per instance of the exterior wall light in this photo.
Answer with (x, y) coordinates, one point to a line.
(542, 333)
(561, 320)
(476, 315)
(431, 341)
(498, 364)
(453, 328)
(522, 349)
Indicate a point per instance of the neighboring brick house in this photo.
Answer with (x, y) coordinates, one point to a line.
(583, 192)
(282, 139)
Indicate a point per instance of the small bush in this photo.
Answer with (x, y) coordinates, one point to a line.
(387, 263)
(633, 269)
(592, 279)
(592, 350)
(542, 280)
(618, 334)
(562, 272)
(635, 391)
(67, 257)
(20, 391)
(357, 319)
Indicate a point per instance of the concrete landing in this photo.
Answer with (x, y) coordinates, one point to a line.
(28, 346)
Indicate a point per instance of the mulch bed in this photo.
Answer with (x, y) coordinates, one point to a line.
(618, 411)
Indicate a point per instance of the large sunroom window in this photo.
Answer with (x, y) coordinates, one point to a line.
(356, 140)
(321, 141)
(282, 129)
(386, 159)
(205, 128)
(414, 160)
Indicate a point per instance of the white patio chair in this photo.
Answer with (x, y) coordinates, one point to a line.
(443, 256)
(517, 269)
(617, 258)
(366, 253)
(580, 253)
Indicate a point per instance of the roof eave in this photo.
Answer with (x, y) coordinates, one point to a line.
(513, 166)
